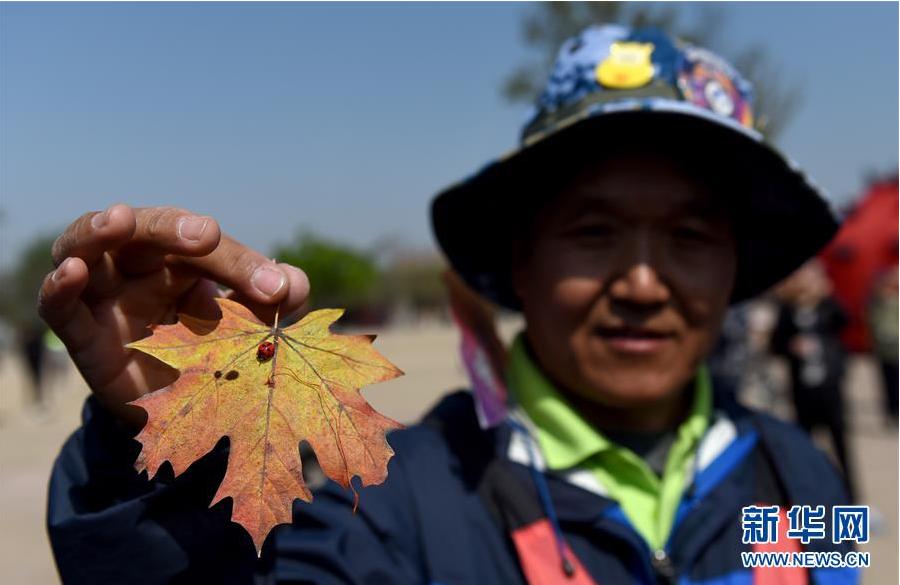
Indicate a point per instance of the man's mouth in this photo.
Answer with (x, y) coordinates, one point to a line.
(633, 340)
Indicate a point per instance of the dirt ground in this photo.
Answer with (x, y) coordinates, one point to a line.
(30, 440)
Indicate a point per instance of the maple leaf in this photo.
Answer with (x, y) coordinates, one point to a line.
(266, 389)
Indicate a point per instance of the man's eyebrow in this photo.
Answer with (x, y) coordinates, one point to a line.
(598, 204)
(586, 207)
(706, 207)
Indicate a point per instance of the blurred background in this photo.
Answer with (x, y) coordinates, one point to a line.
(318, 133)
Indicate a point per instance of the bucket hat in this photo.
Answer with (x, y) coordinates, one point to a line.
(614, 85)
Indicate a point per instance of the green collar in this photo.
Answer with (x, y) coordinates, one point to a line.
(567, 440)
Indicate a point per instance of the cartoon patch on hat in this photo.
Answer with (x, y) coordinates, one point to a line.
(707, 81)
(628, 66)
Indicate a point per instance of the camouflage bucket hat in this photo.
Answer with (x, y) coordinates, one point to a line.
(613, 86)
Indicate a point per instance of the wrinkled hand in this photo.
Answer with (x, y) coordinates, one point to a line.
(121, 270)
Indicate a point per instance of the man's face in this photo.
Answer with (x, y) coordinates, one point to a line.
(626, 281)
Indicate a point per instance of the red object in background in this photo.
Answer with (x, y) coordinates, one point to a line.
(865, 246)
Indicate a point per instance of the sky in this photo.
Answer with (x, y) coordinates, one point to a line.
(346, 119)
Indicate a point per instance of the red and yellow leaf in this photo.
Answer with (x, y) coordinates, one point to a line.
(308, 390)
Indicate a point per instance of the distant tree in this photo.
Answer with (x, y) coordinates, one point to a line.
(339, 275)
(19, 286)
(548, 24)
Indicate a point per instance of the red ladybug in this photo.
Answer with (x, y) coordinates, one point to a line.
(265, 351)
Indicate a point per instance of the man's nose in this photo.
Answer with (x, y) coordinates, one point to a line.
(640, 284)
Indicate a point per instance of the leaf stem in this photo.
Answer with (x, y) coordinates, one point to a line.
(275, 323)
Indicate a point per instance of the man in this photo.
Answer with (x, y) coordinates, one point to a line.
(640, 205)
(807, 333)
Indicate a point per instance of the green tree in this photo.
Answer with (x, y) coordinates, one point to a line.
(548, 24)
(339, 275)
(19, 287)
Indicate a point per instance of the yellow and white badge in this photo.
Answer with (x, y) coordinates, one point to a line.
(628, 66)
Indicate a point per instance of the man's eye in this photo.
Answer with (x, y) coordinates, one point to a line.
(692, 234)
(593, 231)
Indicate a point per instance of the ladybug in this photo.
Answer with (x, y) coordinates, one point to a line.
(265, 351)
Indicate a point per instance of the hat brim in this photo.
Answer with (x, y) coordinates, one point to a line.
(784, 219)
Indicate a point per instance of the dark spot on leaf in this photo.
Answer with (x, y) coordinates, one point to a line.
(217, 374)
(185, 409)
(232, 375)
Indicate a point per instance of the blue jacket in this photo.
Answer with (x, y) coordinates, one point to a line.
(430, 522)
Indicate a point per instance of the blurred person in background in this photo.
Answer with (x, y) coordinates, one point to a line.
(46, 364)
(882, 315)
(640, 205)
(808, 333)
(31, 342)
(732, 354)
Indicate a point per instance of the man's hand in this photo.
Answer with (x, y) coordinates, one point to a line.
(120, 270)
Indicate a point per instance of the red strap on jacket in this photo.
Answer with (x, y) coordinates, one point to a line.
(780, 575)
(540, 560)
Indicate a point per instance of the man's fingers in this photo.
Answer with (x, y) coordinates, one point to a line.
(60, 305)
(105, 280)
(166, 230)
(292, 303)
(144, 240)
(250, 274)
(92, 234)
(199, 301)
(122, 241)
(298, 291)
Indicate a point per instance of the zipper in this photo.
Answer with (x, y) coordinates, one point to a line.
(663, 568)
